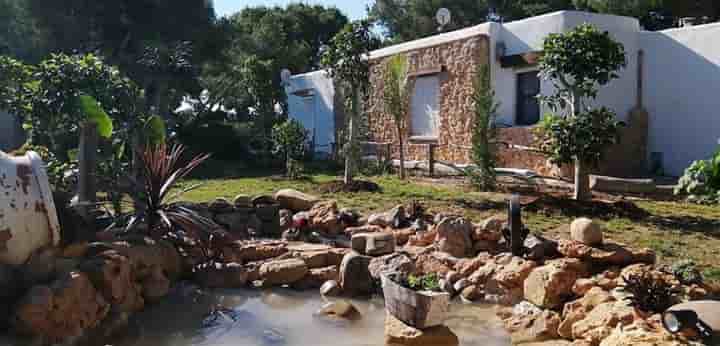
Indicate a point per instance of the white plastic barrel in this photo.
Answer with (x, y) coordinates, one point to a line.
(28, 219)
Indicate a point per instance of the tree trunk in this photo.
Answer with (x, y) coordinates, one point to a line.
(87, 164)
(582, 181)
(402, 154)
(352, 138)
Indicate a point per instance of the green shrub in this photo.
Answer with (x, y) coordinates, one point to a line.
(687, 273)
(427, 282)
(701, 181)
(224, 140)
(484, 135)
(289, 140)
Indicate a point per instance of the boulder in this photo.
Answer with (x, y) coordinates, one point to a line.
(600, 321)
(608, 254)
(402, 236)
(490, 229)
(355, 278)
(639, 334)
(340, 309)
(373, 244)
(434, 263)
(397, 333)
(330, 288)
(242, 201)
(453, 236)
(295, 200)
(325, 217)
(530, 324)
(351, 231)
(111, 274)
(587, 232)
(394, 218)
(156, 286)
(577, 310)
(466, 266)
(40, 267)
(422, 238)
(393, 263)
(283, 272)
(63, 310)
(502, 279)
(250, 251)
(539, 248)
(228, 275)
(316, 277)
(551, 285)
(236, 221)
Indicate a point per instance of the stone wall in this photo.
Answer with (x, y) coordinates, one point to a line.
(457, 61)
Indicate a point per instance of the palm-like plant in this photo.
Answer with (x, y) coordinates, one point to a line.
(396, 99)
(162, 169)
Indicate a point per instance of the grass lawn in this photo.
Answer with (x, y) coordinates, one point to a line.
(674, 230)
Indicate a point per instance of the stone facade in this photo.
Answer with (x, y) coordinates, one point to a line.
(456, 62)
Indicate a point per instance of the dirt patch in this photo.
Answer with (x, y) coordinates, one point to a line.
(552, 205)
(355, 186)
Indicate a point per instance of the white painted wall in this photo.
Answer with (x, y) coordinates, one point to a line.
(528, 35)
(682, 93)
(317, 118)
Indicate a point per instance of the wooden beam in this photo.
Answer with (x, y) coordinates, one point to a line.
(520, 60)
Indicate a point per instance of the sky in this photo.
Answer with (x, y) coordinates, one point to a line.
(355, 9)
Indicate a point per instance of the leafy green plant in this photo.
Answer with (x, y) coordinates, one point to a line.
(396, 99)
(578, 62)
(701, 181)
(585, 135)
(649, 292)
(289, 140)
(484, 135)
(686, 272)
(427, 282)
(161, 171)
(346, 60)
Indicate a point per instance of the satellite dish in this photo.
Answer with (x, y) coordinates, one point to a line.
(285, 75)
(443, 17)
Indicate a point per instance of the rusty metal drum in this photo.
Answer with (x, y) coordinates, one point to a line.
(28, 219)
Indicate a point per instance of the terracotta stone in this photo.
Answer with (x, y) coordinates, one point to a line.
(639, 334)
(316, 277)
(600, 321)
(578, 309)
(551, 285)
(423, 238)
(325, 217)
(355, 276)
(608, 254)
(282, 272)
(398, 333)
(350, 231)
(66, 308)
(250, 251)
(432, 263)
(454, 236)
(295, 200)
(586, 231)
(373, 244)
(393, 263)
(111, 273)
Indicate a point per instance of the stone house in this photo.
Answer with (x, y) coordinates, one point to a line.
(665, 95)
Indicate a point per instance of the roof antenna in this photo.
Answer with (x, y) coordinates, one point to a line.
(443, 18)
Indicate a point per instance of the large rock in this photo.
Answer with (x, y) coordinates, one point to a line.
(490, 229)
(156, 286)
(351, 231)
(600, 322)
(398, 333)
(502, 279)
(65, 309)
(607, 254)
(40, 267)
(530, 324)
(251, 251)
(434, 262)
(394, 218)
(283, 272)
(111, 273)
(577, 310)
(340, 309)
(145, 253)
(639, 334)
(551, 285)
(226, 275)
(355, 278)
(373, 244)
(325, 217)
(295, 200)
(393, 263)
(587, 232)
(454, 236)
(316, 277)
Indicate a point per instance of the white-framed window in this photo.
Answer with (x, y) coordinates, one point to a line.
(528, 105)
(425, 107)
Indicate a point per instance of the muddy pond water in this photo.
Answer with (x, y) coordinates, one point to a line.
(280, 318)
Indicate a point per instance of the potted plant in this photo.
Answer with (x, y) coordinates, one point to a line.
(416, 300)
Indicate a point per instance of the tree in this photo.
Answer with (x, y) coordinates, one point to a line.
(407, 20)
(347, 60)
(578, 63)
(20, 36)
(484, 133)
(289, 139)
(259, 42)
(396, 99)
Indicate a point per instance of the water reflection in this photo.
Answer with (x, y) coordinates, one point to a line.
(191, 317)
